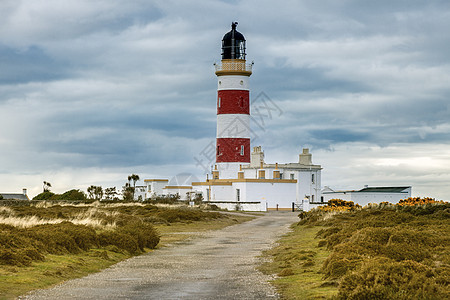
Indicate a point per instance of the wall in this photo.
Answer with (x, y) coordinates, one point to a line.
(273, 193)
(242, 206)
(363, 199)
(305, 186)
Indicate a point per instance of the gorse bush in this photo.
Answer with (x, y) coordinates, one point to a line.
(412, 201)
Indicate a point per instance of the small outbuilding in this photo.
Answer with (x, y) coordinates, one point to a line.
(13, 196)
(391, 194)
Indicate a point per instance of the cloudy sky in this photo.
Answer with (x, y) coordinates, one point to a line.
(92, 91)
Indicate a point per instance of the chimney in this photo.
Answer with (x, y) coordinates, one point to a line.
(257, 157)
(305, 157)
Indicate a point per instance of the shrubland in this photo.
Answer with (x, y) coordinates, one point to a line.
(30, 232)
(380, 251)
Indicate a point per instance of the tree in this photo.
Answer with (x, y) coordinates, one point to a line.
(134, 178)
(110, 193)
(95, 192)
(47, 186)
(128, 193)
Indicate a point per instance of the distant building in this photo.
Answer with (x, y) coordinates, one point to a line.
(368, 194)
(12, 196)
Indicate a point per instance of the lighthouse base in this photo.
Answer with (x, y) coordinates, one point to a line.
(229, 170)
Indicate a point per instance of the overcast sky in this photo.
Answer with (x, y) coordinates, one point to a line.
(93, 91)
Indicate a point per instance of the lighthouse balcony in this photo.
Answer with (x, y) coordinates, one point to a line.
(233, 67)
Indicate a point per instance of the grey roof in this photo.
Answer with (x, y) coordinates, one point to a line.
(14, 196)
(385, 189)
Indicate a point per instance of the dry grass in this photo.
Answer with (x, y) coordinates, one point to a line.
(9, 217)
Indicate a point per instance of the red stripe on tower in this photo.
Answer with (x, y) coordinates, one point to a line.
(233, 150)
(233, 104)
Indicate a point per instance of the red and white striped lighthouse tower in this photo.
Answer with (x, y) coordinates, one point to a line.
(233, 106)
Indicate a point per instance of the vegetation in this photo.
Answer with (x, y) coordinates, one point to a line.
(95, 192)
(49, 242)
(72, 195)
(381, 251)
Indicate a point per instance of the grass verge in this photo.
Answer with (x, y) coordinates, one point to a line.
(297, 262)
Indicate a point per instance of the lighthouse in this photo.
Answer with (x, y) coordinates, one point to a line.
(233, 106)
(241, 179)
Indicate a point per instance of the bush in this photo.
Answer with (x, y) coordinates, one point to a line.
(64, 237)
(72, 195)
(120, 240)
(46, 195)
(133, 237)
(386, 279)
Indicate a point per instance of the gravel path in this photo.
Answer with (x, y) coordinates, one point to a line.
(219, 265)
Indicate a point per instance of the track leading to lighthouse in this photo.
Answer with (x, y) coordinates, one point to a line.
(219, 265)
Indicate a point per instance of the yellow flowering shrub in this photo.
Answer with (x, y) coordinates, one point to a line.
(339, 205)
(412, 201)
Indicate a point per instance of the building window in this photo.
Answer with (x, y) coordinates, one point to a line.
(242, 149)
(312, 198)
(292, 176)
(218, 151)
(312, 178)
(321, 199)
(238, 195)
(218, 102)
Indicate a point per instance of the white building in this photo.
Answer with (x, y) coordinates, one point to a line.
(369, 194)
(261, 187)
(154, 187)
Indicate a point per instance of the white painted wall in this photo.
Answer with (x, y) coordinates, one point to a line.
(221, 193)
(178, 190)
(281, 194)
(233, 82)
(140, 191)
(229, 170)
(305, 185)
(233, 126)
(155, 188)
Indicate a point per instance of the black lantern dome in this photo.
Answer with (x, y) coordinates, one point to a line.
(233, 44)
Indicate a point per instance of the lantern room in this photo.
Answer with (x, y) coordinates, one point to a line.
(233, 44)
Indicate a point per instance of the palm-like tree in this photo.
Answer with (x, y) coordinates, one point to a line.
(47, 186)
(134, 178)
